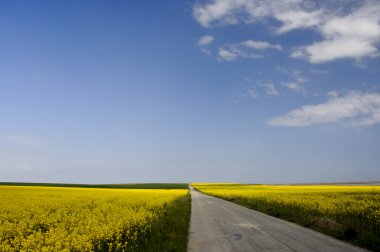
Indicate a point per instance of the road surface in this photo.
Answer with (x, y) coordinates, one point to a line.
(218, 225)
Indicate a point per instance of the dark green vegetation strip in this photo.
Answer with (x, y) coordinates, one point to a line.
(116, 186)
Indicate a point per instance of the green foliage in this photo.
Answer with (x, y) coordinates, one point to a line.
(116, 186)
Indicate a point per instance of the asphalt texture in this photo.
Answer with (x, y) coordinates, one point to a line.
(218, 225)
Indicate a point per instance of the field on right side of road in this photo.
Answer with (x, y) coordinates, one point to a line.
(347, 212)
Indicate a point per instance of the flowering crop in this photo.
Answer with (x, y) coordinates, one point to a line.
(345, 211)
(81, 219)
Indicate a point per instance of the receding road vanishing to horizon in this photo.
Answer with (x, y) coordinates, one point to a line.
(193, 125)
(221, 226)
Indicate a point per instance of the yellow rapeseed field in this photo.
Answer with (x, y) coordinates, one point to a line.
(345, 211)
(36, 218)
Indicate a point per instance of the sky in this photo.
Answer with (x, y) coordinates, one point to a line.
(250, 91)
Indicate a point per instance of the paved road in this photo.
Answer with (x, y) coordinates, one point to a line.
(218, 225)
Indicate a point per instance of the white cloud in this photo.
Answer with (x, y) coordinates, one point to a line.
(297, 84)
(347, 32)
(219, 9)
(270, 89)
(293, 14)
(259, 87)
(205, 40)
(245, 49)
(358, 107)
(294, 86)
(232, 52)
(260, 45)
(298, 20)
(227, 12)
(354, 35)
(339, 47)
(228, 54)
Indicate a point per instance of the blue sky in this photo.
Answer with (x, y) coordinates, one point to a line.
(180, 91)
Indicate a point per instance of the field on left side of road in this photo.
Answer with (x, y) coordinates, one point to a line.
(34, 218)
